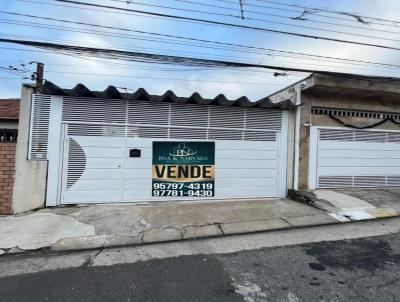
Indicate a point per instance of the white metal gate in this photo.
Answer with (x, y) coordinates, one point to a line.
(99, 169)
(250, 148)
(354, 158)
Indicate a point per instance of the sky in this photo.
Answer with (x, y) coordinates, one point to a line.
(98, 73)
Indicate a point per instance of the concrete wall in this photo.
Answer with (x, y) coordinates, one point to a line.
(30, 176)
(319, 120)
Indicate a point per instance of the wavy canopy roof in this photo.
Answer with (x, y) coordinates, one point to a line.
(112, 92)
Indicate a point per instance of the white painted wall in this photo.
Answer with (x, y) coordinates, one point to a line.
(30, 176)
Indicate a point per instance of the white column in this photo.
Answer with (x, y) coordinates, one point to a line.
(54, 152)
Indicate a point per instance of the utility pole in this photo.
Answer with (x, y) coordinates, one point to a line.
(39, 74)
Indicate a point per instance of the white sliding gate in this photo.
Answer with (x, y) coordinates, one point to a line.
(99, 169)
(353, 158)
(90, 140)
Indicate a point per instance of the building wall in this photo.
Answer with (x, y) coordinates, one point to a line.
(349, 103)
(7, 169)
(30, 176)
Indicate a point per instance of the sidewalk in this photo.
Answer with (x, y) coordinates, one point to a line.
(353, 204)
(98, 226)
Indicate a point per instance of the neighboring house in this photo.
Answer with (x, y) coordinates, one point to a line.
(79, 146)
(349, 130)
(9, 115)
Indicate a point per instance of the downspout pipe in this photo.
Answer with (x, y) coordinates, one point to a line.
(297, 138)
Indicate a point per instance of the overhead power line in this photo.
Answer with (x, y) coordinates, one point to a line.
(162, 78)
(204, 21)
(154, 58)
(252, 48)
(311, 11)
(14, 71)
(293, 63)
(295, 18)
(258, 6)
(355, 16)
(306, 12)
(159, 50)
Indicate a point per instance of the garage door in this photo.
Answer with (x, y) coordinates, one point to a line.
(100, 170)
(250, 150)
(354, 158)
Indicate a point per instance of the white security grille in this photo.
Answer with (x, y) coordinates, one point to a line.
(336, 135)
(325, 182)
(370, 136)
(40, 118)
(358, 136)
(149, 132)
(393, 137)
(189, 115)
(250, 135)
(140, 112)
(358, 158)
(188, 133)
(218, 134)
(76, 163)
(369, 181)
(393, 181)
(227, 117)
(263, 119)
(95, 130)
(93, 110)
(169, 120)
(335, 181)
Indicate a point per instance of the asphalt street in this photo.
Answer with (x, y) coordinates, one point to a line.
(348, 270)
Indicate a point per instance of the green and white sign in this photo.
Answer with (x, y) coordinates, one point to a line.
(183, 169)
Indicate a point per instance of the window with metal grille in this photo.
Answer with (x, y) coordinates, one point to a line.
(39, 131)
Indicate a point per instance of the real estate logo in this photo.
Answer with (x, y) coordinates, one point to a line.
(182, 150)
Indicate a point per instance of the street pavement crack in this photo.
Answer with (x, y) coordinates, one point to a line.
(91, 258)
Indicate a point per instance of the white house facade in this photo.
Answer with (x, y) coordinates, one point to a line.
(78, 146)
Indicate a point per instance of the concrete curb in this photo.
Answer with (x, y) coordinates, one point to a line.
(153, 236)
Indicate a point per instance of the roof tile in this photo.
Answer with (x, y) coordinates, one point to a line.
(9, 109)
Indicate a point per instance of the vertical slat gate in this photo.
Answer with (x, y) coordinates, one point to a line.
(39, 130)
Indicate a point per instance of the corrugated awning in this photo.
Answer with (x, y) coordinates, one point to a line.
(112, 92)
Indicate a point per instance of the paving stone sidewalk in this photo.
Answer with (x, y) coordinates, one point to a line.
(97, 226)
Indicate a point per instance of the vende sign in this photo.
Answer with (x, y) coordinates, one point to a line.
(183, 169)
